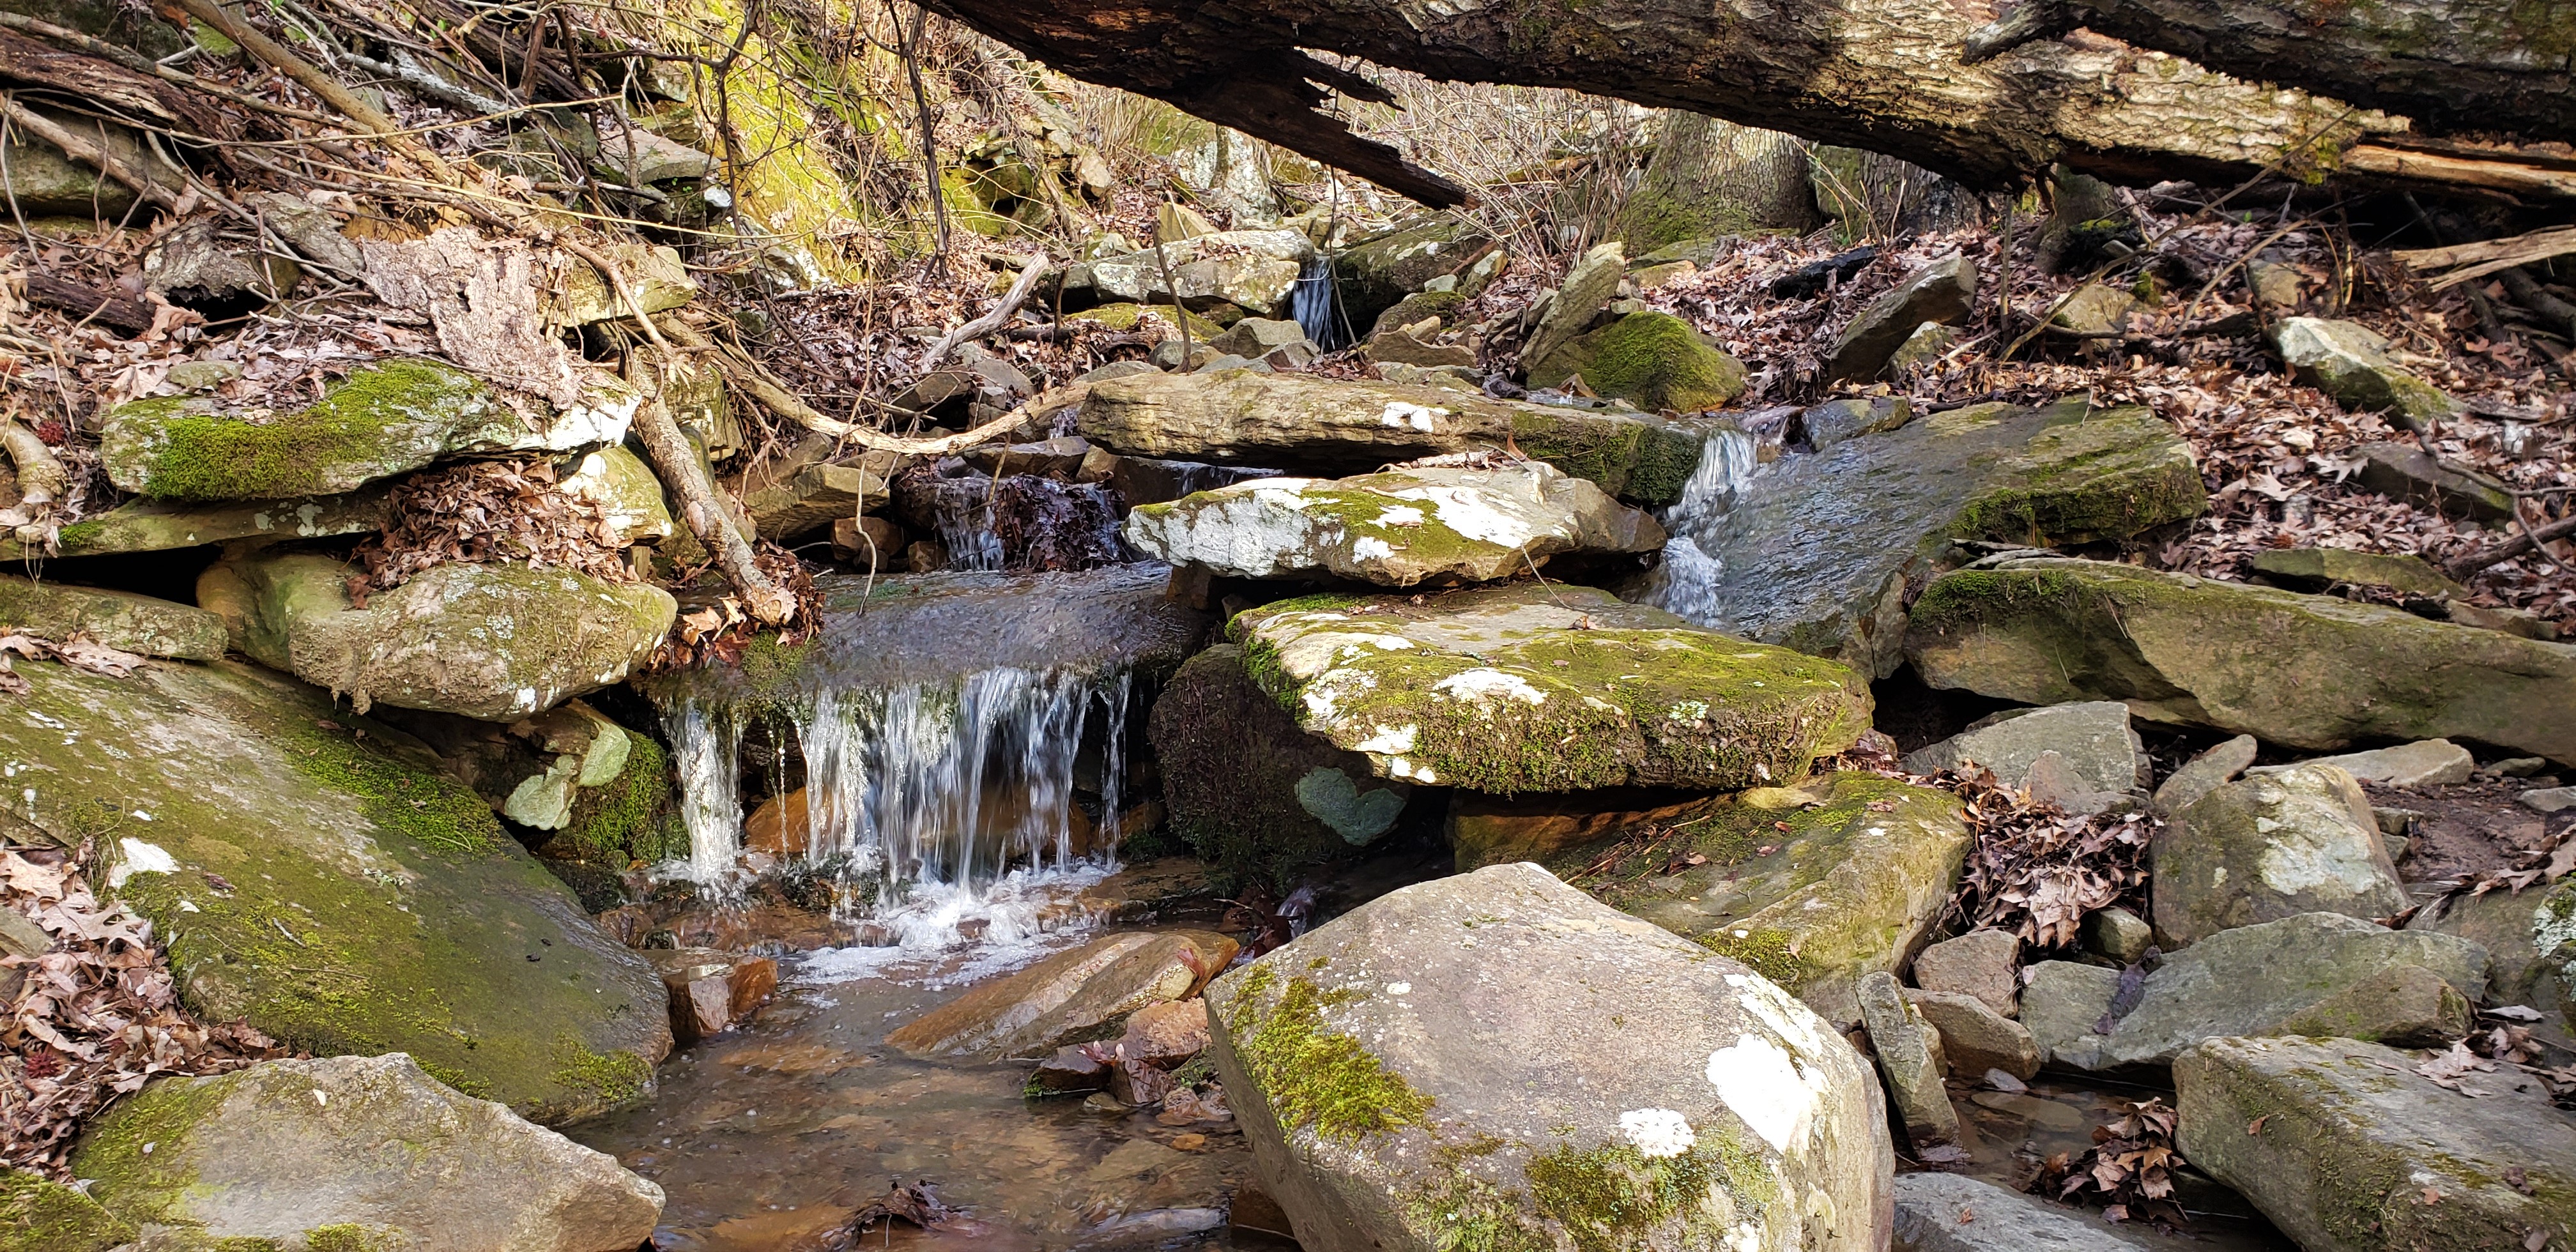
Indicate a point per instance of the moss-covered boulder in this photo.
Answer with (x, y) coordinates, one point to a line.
(1255, 796)
(1127, 316)
(1494, 1061)
(2350, 362)
(1335, 426)
(2345, 1146)
(1547, 687)
(1851, 887)
(383, 419)
(1654, 359)
(119, 619)
(1819, 553)
(2311, 672)
(336, 891)
(496, 642)
(354, 1154)
(40, 1215)
(1396, 528)
(2272, 846)
(145, 525)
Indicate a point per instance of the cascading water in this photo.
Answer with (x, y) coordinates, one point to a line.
(1311, 303)
(1689, 582)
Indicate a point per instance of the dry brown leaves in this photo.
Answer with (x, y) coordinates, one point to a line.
(2130, 1165)
(94, 1017)
(2037, 871)
(79, 652)
(716, 627)
(489, 511)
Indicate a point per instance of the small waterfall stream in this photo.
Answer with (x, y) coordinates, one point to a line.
(1311, 303)
(1690, 581)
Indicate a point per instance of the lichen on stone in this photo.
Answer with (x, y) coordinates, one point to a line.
(1315, 1078)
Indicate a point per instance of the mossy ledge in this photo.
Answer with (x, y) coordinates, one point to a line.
(1315, 1079)
(389, 417)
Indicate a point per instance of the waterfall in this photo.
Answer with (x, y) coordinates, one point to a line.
(707, 748)
(1311, 303)
(1690, 580)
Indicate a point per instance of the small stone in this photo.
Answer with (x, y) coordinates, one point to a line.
(2522, 623)
(1115, 369)
(1975, 1039)
(2398, 846)
(2403, 471)
(1943, 291)
(1984, 964)
(21, 936)
(1229, 361)
(2206, 773)
(2424, 763)
(2548, 799)
(1834, 421)
(1909, 1056)
(1065, 997)
(2403, 1006)
(654, 275)
(201, 375)
(1922, 349)
(2095, 311)
(2002, 1080)
(2517, 767)
(1588, 286)
(1405, 347)
(2275, 285)
(2350, 362)
(1258, 336)
(711, 991)
(870, 543)
(1165, 1035)
(2118, 934)
(1070, 1070)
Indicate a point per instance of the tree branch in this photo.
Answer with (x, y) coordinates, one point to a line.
(993, 318)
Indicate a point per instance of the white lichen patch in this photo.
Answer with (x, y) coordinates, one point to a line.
(1657, 1133)
(1391, 740)
(1371, 548)
(140, 858)
(1757, 1079)
(1483, 684)
(1401, 415)
(1399, 515)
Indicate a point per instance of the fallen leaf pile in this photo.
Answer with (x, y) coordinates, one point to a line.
(79, 652)
(94, 1017)
(2039, 872)
(2129, 1167)
(492, 511)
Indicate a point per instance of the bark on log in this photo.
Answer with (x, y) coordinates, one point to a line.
(1710, 177)
(1878, 74)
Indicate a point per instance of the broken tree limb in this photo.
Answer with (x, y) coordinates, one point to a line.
(2466, 567)
(82, 149)
(2487, 256)
(41, 477)
(743, 372)
(993, 318)
(1877, 74)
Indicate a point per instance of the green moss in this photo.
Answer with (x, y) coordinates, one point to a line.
(38, 1215)
(112, 1151)
(438, 811)
(1765, 952)
(632, 818)
(373, 423)
(1961, 600)
(348, 1237)
(1643, 461)
(1421, 304)
(1314, 1078)
(2107, 476)
(609, 1079)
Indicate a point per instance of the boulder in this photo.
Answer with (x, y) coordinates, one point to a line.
(1975, 1038)
(338, 892)
(1570, 310)
(356, 1152)
(2548, 799)
(2256, 980)
(1628, 1091)
(2316, 569)
(1254, 270)
(1851, 886)
(2118, 935)
(38, 1214)
(496, 642)
(818, 495)
(1406, 346)
(1255, 796)
(1334, 426)
(1257, 337)
(2424, 763)
(1955, 1213)
(1546, 687)
(1441, 307)
(2268, 847)
(1653, 359)
(384, 419)
(2345, 1145)
(1984, 964)
(1834, 421)
(2350, 362)
(2404, 471)
(1396, 528)
(631, 152)
(1066, 998)
(2529, 937)
(1943, 291)
(2306, 671)
(712, 991)
(146, 525)
(2093, 739)
(1909, 1056)
(1921, 350)
(1373, 273)
(2205, 773)
(119, 619)
(629, 497)
(1819, 553)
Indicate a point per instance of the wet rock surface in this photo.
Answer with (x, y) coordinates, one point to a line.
(1357, 1054)
(1066, 998)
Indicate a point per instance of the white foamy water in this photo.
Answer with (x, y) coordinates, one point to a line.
(947, 935)
(1689, 581)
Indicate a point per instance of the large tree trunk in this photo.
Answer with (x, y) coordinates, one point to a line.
(1878, 74)
(1710, 177)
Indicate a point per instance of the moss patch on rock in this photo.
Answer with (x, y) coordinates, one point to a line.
(1316, 1079)
(1655, 360)
(381, 420)
(39, 1215)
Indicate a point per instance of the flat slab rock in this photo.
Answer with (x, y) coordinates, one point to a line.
(119, 619)
(1956, 1213)
(1817, 552)
(2321, 973)
(1394, 529)
(1547, 687)
(1322, 425)
(2305, 671)
(1065, 998)
(1488, 1056)
(340, 893)
(2344, 1145)
(2093, 737)
(355, 1151)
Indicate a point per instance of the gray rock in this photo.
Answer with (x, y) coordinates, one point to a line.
(1909, 1057)
(1955, 1213)
(2093, 738)
(2311, 672)
(1115, 369)
(2403, 471)
(1818, 553)
(2095, 311)
(2274, 284)
(1465, 690)
(2253, 980)
(1331, 427)
(2344, 1145)
(1587, 287)
(146, 525)
(1925, 347)
(1404, 347)
(634, 152)
(2316, 569)
(1981, 963)
(1651, 359)
(1834, 421)
(2350, 362)
(654, 275)
(2268, 847)
(1229, 361)
(413, 913)
(1258, 337)
(1060, 457)
(119, 619)
(21, 936)
(2548, 799)
(356, 1150)
(1065, 998)
(1943, 291)
(2424, 763)
(495, 642)
(631, 502)
(2530, 939)
(1252, 269)
(1976, 1039)
(1378, 271)
(2205, 773)
(2118, 934)
(1393, 1098)
(1396, 528)
(814, 496)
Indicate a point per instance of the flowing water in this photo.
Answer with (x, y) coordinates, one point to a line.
(1312, 304)
(1691, 579)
